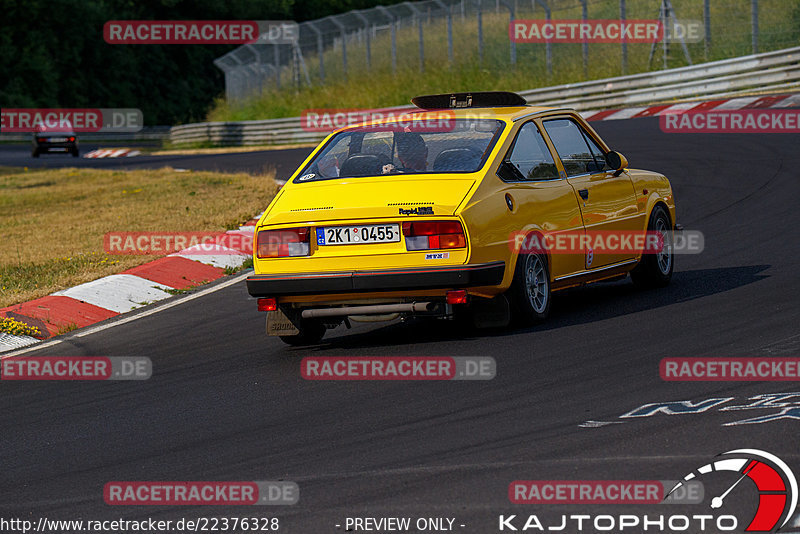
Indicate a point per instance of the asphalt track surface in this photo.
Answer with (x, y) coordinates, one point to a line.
(283, 162)
(227, 403)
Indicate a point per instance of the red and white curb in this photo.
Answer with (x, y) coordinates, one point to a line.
(112, 153)
(745, 102)
(116, 294)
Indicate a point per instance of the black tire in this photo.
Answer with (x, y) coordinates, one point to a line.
(530, 291)
(655, 270)
(311, 332)
(75, 153)
(35, 153)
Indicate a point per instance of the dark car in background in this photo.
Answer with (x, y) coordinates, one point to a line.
(61, 139)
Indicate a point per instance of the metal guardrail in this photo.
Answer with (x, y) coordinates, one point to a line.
(778, 70)
(148, 133)
(657, 79)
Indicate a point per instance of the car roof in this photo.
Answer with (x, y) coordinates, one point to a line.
(507, 113)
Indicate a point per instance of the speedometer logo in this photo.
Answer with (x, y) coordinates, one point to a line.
(776, 484)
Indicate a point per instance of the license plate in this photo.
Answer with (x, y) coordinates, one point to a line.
(358, 234)
(57, 139)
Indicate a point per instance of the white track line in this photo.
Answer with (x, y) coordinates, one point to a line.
(792, 100)
(737, 103)
(126, 319)
(626, 113)
(118, 292)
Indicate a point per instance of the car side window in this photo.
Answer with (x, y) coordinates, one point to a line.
(578, 151)
(530, 155)
(329, 163)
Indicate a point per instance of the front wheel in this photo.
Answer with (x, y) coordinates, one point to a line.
(530, 291)
(311, 332)
(655, 269)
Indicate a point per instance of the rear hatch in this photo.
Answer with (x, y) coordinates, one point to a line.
(359, 203)
(350, 199)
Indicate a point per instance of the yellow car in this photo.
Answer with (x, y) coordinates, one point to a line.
(433, 215)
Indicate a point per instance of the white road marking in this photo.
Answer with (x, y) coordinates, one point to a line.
(679, 108)
(588, 114)
(789, 101)
(737, 103)
(9, 341)
(625, 113)
(118, 292)
(227, 257)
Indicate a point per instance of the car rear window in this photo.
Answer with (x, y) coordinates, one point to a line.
(457, 146)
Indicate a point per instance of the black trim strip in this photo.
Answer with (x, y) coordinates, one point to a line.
(274, 285)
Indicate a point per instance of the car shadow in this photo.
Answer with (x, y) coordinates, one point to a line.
(571, 307)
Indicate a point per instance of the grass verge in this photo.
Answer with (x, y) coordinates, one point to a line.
(52, 221)
(730, 24)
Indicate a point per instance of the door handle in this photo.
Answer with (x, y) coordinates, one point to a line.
(584, 193)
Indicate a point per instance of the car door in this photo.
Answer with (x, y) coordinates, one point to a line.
(545, 199)
(607, 202)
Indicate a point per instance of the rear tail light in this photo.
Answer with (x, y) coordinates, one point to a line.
(71, 139)
(429, 235)
(41, 139)
(284, 243)
(268, 304)
(458, 296)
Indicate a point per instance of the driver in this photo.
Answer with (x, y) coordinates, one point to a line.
(412, 152)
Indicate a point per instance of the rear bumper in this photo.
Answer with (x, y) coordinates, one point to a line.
(48, 146)
(276, 285)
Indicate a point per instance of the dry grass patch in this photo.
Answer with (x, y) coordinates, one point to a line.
(52, 221)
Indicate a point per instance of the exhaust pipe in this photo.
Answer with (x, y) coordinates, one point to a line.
(379, 309)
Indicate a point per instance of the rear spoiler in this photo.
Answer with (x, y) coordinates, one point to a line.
(480, 99)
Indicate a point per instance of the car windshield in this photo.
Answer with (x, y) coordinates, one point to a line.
(452, 146)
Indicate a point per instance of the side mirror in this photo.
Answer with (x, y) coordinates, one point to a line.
(616, 161)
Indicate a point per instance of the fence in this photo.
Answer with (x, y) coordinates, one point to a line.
(771, 71)
(429, 35)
